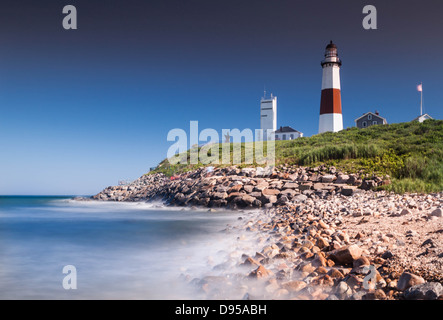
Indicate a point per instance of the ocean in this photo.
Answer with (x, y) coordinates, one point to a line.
(118, 250)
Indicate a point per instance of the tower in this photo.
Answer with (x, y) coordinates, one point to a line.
(268, 116)
(331, 118)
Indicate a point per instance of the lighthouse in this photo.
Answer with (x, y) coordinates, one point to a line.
(331, 118)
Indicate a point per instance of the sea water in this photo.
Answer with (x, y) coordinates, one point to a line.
(119, 250)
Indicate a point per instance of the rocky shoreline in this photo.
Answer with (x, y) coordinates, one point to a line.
(321, 234)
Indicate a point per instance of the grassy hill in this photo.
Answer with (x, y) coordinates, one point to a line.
(411, 153)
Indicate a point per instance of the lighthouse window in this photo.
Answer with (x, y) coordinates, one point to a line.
(369, 116)
(364, 124)
(374, 122)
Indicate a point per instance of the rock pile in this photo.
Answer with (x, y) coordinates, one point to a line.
(313, 251)
(241, 188)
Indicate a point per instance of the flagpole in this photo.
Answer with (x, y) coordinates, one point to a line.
(421, 100)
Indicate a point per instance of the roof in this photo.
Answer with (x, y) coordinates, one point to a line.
(331, 45)
(286, 129)
(426, 116)
(376, 115)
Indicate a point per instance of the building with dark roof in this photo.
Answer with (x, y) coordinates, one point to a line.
(287, 133)
(369, 119)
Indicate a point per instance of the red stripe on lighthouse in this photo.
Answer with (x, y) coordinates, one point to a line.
(330, 101)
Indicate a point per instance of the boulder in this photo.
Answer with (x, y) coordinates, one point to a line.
(328, 178)
(305, 186)
(290, 185)
(260, 273)
(346, 254)
(270, 192)
(299, 198)
(424, 291)
(368, 184)
(235, 188)
(294, 286)
(437, 213)
(408, 280)
(342, 179)
(348, 190)
(362, 261)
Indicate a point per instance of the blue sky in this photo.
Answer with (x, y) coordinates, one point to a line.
(81, 109)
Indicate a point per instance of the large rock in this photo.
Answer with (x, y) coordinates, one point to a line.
(424, 291)
(348, 190)
(260, 273)
(347, 254)
(437, 213)
(328, 178)
(270, 192)
(408, 280)
(305, 186)
(368, 185)
(342, 179)
(235, 188)
(299, 198)
(294, 286)
(290, 185)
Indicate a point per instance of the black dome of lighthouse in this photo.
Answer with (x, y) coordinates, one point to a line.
(331, 45)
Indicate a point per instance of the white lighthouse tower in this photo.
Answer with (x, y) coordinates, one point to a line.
(268, 116)
(331, 118)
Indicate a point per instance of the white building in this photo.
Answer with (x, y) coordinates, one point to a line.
(268, 116)
(423, 117)
(287, 133)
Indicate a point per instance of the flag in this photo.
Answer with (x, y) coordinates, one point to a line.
(420, 88)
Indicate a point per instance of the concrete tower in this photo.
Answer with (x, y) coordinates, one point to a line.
(268, 116)
(331, 118)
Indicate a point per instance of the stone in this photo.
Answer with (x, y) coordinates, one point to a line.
(290, 185)
(219, 195)
(305, 186)
(248, 200)
(346, 254)
(342, 179)
(270, 192)
(319, 261)
(328, 178)
(322, 243)
(260, 272)
(308, 268)
(387, 255)
(343, 290)
(321, 270)
(251, 262)
(235, 188)
(424, 291)
(368, 184)
(437, 213)
(300, 198)
(405, 212)
(335, 274)
(288, 192)
(294, 286)
(323, 225)
(408, 280)
(362, 261)
(348, 191)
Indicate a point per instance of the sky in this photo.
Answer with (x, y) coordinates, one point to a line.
(82, 109)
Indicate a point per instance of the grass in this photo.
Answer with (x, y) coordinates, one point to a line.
(411, 153)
